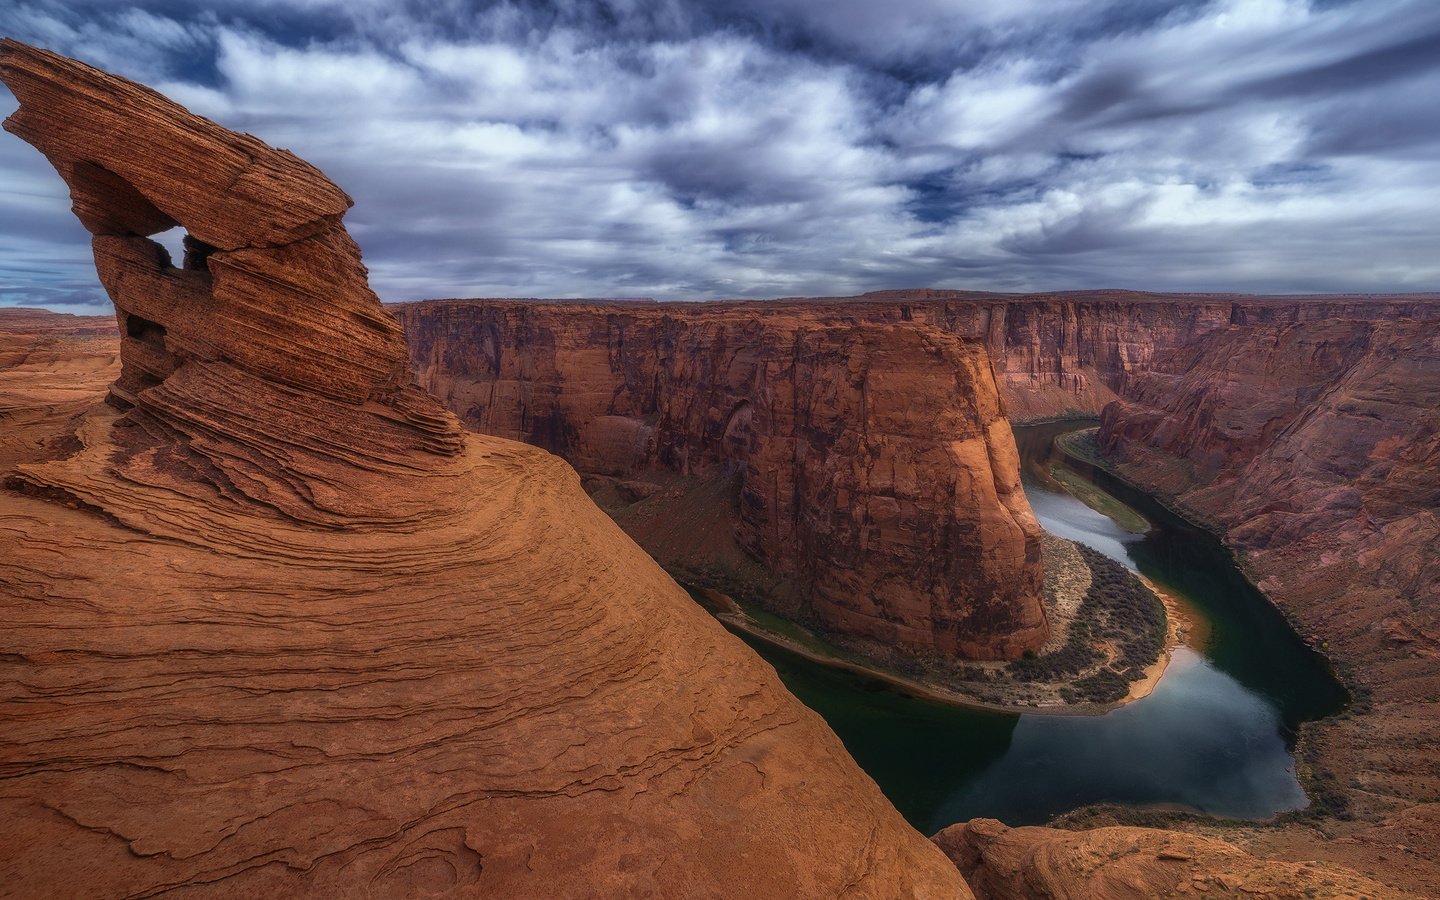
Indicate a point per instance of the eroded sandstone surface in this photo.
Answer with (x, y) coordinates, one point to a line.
(1120, 863)
(276, 626)
(876, 469)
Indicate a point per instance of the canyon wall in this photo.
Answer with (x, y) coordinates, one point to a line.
(875, 467)
(1314, 449)
(1071, 353)
(276, 626)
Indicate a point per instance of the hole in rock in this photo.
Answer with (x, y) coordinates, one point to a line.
(151, 334)
(184, 251)
(173, 241)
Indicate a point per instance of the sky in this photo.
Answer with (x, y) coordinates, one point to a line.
(766, 148)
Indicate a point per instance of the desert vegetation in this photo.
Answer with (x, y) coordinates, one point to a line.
(1118, 632)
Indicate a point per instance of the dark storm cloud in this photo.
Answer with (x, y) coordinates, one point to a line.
(786, 147)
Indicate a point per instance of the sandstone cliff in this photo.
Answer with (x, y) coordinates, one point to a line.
(276, 626)
(1314, 449)
(875, 464)
(1071, 353)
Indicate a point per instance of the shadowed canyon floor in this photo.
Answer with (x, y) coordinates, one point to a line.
(273, 631)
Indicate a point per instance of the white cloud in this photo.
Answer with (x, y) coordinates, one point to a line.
(1261, 145)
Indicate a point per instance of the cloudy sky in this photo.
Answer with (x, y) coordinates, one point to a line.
(753, 148)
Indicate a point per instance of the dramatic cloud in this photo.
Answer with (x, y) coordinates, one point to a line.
(785, 147)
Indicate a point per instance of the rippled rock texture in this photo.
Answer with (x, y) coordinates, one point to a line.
(876, 469)
(262, 361)
(275, 626)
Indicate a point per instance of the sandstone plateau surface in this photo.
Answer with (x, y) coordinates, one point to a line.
(275, 625)
(874, 470)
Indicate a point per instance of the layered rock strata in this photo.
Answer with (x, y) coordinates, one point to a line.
(263, 360)
(1314, 449)
(854, 509)
(276, 626)
(1070, 353)
(876, 467)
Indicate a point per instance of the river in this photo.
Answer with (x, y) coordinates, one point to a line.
(1216, 735)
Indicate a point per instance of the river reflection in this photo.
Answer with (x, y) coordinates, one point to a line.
(1215, 735)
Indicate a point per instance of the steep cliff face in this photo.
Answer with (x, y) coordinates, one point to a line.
(275, 626)
(1316, 440)
(875, 463)
(1314, 449)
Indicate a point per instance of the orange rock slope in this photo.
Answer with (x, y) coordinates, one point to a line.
(276, 626)
(875, 466)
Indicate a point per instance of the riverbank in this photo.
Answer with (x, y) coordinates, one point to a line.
(992, 686)
(1081, 447)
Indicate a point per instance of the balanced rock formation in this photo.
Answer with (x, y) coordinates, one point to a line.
(1120, 863)
(275, 626)
(876, 469)
(264, 360)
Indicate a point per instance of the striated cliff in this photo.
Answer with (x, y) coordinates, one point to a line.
(276, 626)
(1072, 353)
(1314, 449)
(876, 470)
(862, 438)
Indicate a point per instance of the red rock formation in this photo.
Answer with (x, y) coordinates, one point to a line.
(265, 359)
(878, 466)
(1121, 863)
(279, 628)
(1072, 353)
(1314, 449)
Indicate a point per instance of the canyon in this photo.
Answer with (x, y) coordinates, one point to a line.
(1302, 430)
(1313, 447)
(851, 455)
(869, 468)
(276, 625)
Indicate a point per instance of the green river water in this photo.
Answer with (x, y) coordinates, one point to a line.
(1216, 735)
